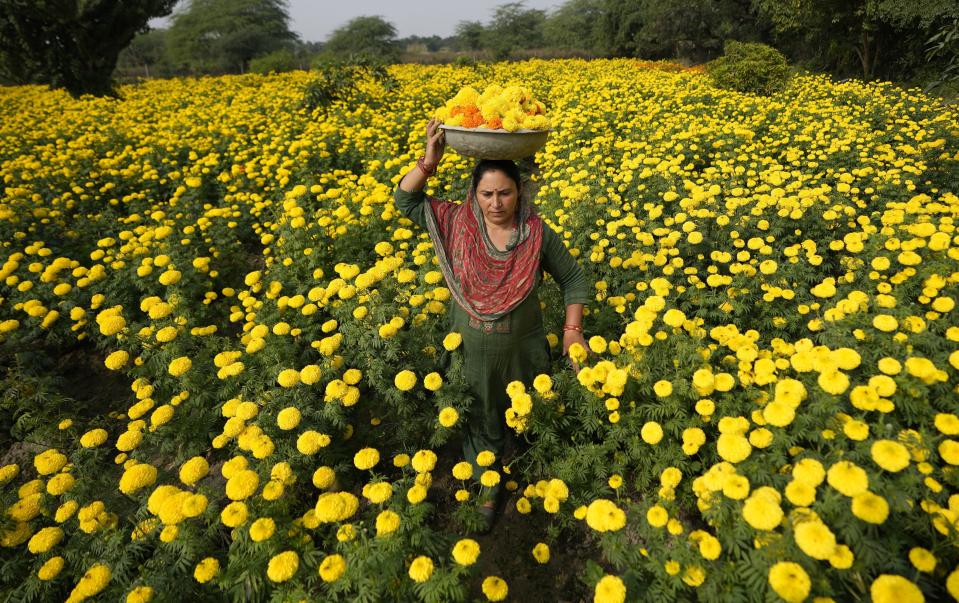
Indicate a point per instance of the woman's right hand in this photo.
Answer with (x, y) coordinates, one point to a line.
(435, 143)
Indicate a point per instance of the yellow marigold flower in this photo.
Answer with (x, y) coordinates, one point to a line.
(194, 470)
(889, 588)
(733, 447)
(433, 382)
(288, 418)
(463, 470)
(137, 477)
(92, 583)
(129, 440)
(117, 360)
(44, 540)
(323, 477)
(262, 529)
(847, 478)
(310, 442)
(663, 388)
(815, 539)
(890, 455)
(49, 461)
(140, 594)
(60, 483)
(8, 472)
(378, 493)
(288, 377)
(809, 471)
(421, 569)
(800, 493)
(424, 461)
(179, 366)
(790, 581)
(282, 566)
(949, 451)
(490, 478)
(495, 588)
(51, 568)
(657, 516)
(448, 416)
(405, 380)
(922, 559)
(466, 551)
(206, 570)
(652, 432)
(870, 507)
(387, 522)
(310, 374)
(485, 458)
(610, 589)
(366, 458)
(762, 512)
(541, 552)
(242, 484)
(452, 341)
(234, 514)
(603, 515)
(332, 567)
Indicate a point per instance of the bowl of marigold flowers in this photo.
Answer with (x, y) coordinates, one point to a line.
(499, 123)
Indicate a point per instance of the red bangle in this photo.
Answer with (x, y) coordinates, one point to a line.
(421, 163)
(573, 328)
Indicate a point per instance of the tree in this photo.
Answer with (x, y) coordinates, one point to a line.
(225, 35)
(576, 24)
(513, 26)
(365, 36)
(469, 35)
(70, 44)
(145, 56)
(869, 32)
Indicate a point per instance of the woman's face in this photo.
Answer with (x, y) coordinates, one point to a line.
(498, 197)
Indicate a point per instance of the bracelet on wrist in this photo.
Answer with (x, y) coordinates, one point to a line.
(421, 163)
(573, 328)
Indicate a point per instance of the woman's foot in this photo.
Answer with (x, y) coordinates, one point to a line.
(488, 514)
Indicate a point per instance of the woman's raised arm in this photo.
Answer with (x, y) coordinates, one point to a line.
(415, 179)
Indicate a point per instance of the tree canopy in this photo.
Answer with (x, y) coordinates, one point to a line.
(367, 36)
(225, 35)
(70, 44)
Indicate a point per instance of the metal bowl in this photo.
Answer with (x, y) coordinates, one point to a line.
(483, 143)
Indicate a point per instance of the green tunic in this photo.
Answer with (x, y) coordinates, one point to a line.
(513, 348)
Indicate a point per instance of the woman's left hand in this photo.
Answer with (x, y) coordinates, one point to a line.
(569, 338)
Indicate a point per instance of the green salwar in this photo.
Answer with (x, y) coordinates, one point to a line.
(513, 348)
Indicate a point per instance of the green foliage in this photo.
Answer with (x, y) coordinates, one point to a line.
(750, 67)
(513, 27)
(365, 36)
(223, 36)
(71, 44)
(277, 61)
(470, 35)
(945, 44)
(146, 56)
(575, 24)
(342, 80)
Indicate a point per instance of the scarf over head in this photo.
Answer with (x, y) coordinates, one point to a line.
(484, 281)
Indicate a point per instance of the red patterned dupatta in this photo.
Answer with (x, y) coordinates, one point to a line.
(486, 282)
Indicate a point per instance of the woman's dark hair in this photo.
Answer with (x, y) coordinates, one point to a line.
(506, 166)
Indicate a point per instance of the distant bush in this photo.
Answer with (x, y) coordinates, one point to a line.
(339, 79)
(749, 67)
(277, 61)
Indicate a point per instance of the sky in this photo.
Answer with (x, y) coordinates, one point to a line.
(314, 20)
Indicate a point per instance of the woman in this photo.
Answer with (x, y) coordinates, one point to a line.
(492, 250)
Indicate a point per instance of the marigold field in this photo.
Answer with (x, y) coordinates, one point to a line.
(228, 374)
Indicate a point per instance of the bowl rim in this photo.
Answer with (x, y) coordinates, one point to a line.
(492, 131)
